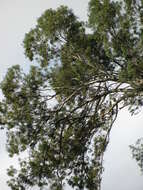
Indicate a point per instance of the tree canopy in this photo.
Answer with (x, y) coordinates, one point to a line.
(61, 112)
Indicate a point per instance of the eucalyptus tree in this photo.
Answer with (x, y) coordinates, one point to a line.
(61, 112)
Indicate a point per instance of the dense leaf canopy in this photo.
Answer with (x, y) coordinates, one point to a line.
(61, 112)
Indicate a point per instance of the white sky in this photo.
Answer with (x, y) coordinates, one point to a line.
(16, 18)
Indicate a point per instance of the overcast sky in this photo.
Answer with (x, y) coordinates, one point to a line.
(16, 18)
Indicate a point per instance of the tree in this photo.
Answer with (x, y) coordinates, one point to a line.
(63, 110)
(137, 153)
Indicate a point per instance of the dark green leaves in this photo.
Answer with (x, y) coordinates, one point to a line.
(61, 112)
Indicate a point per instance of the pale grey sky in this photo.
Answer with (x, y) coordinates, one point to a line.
(16, 18)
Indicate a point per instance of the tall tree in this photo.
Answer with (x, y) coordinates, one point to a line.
(63, 110)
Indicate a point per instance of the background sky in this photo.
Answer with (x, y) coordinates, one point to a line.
(16, 18)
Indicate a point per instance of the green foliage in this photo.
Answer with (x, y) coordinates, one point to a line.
(63, 110)
(137, 153)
